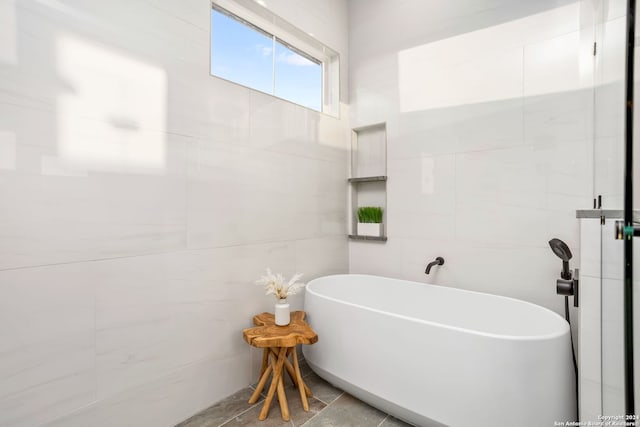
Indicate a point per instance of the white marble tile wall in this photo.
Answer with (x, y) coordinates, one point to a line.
(601, 320)
(489, 126)
(590, 315)
(141, 199)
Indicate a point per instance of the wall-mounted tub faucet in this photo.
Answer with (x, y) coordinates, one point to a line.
(437, 261)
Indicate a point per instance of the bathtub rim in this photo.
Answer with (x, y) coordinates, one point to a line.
(565, 325)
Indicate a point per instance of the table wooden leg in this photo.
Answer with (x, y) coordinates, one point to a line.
(263, 380)
(277, 371)
(265, 360)
(282, 399)
(290, 370)
(292, 373)
(302, 385)
(288, 366)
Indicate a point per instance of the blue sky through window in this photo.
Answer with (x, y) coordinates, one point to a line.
(244, 55)
(298, 79)
(240, 53)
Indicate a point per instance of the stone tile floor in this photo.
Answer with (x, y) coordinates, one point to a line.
(329, 407)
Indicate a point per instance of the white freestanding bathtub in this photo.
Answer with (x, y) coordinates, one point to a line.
(438, 356)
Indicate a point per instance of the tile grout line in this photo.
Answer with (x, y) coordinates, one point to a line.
(170, 251)
(383, 420)
(323, 409)
(240, 413)
(322, 401)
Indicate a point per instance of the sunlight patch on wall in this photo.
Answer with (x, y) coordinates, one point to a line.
(113, 117)
(505, 61)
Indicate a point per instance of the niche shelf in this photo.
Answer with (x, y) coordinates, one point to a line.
(368, 182)
(374, 238)
(368, 179)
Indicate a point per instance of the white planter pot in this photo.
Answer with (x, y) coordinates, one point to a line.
(370, 229)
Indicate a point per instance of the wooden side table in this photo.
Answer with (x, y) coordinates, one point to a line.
(278, 343)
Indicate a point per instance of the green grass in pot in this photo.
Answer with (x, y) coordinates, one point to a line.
(370, 214)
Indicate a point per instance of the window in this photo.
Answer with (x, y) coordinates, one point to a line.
(297, 77)
(241, 53)
(250, 55)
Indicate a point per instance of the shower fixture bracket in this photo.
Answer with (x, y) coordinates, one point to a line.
(568, 287)
(567, 284)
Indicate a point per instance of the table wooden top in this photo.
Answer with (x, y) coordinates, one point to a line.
(267, 334)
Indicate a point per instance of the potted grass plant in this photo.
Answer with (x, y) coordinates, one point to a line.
(370, 221)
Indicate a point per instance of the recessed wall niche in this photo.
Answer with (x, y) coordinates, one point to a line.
(368, 182)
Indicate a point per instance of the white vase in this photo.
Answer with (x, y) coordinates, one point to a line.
(370, 229)
(283, 314)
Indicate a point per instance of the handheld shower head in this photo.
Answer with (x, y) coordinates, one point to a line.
(562, 251)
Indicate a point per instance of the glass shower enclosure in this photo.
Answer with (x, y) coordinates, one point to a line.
(614, 170)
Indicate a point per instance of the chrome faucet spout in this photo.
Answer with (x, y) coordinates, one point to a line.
(438, 261)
